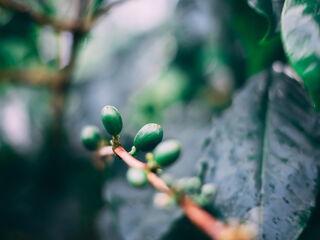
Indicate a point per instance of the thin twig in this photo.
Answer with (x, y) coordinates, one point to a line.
(39, 76)
(159, 184)
(57, 24)
(210, 225)
(43, 19)
(128, 159)
(105, 151)
(199, 217)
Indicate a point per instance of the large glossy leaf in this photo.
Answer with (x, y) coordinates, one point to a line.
(300, 27)
(264, 155)
(271, 9)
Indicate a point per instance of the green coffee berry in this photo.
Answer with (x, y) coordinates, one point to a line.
(136, 177)
(181, 184)
(206, 195)
(189, 185)
(90, 137)
(148, 137)
(167, 152)
(111, 119)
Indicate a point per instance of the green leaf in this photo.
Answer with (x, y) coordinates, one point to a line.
(250, 29)
(263, 155)
(300, 25)
(271, 9)
(18, 43)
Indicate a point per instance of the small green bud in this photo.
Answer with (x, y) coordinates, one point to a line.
(148, 137)
(208, 190)
(194, 183)
(136, 177)
(163, 201)
(167, 152)
(181, 184)
(190, 184)
(206, 195)
(111, 119)
(90, 137)
(133, 151)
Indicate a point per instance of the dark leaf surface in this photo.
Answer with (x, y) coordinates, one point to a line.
(263, 155)
(300, 27)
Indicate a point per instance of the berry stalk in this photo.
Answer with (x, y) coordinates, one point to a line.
(128, 159)
(214, 228)
(203, 220)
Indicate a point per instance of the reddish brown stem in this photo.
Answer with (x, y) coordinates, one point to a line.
(207, 223)
(105, 151)
(40, 18)
(159, 184)
(202, 219)
(128, 159)
(214, 228)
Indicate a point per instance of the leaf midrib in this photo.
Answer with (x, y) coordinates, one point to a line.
(264, 146)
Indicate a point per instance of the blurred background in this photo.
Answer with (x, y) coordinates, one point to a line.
(177, 63)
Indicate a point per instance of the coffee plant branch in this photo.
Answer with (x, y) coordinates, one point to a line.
(37, 77)
(158, 155)
(211, 226)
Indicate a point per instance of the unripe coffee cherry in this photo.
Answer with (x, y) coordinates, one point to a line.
(90, 137)
(148, 137)
(111, 119)
(208, 190)
(167, 152)
(136, 177)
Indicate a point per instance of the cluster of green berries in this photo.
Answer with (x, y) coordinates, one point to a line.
(201, 193)
(158, 155)
(148, 139)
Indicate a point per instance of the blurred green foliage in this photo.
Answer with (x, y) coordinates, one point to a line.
(173, 62)
(18, 39)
